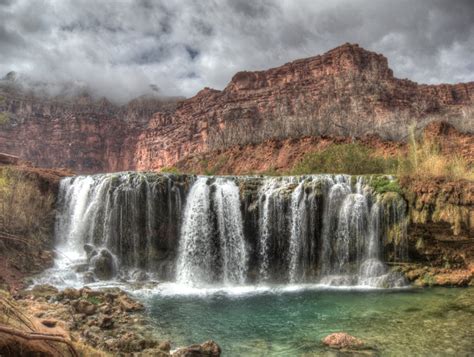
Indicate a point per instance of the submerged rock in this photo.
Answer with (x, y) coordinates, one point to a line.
(342, 340)
(208, 349)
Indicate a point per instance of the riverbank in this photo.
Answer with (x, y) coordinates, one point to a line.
(106, 322)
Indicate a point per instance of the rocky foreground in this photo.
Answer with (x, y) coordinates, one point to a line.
(95, 323)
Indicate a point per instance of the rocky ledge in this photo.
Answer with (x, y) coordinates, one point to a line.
(108, 321)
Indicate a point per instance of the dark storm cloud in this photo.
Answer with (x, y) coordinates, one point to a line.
(119, 48)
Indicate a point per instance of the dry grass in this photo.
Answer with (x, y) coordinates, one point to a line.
(25, 211)
(23, 334)
(424, 159)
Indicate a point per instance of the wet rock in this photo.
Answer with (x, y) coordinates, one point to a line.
(154, 352)
(103, 265)
(208, 348)
(81, 268)
(133, 342)
(342, 340)
(105, 322)
(70, 293)
(90, 251)
(84, 307)
(165, 346)
(129, 305)
(139, 275)
(111, 344)
(45, 291)
(88, 277)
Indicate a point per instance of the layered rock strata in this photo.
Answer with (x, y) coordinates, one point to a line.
(348, 92)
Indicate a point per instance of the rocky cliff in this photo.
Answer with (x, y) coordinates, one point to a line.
(81, 133)
(348, 92)
(441, 231)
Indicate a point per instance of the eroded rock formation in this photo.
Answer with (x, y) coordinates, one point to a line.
(347, 92)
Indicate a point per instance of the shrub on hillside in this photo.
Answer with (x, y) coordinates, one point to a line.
(353, 159)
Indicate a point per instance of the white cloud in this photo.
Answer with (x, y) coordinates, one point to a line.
(119, 48)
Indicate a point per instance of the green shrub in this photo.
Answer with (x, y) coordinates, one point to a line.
(383, 184)
(170, 170)
(353, 159)
(95, 300)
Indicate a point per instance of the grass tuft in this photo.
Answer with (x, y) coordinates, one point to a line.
(424, 159)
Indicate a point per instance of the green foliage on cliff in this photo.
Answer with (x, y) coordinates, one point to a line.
(170, 170)
(353, 159)
(383, 184)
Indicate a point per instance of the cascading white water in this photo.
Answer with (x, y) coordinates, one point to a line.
(266, 200)
(201, 259)
(339, 190)
(230, 231)
(195, 246)
(298, 220)
(229, 218)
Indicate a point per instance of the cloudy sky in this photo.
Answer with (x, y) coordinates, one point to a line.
(119, 48)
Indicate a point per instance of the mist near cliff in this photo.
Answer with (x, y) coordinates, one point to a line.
(130, 48)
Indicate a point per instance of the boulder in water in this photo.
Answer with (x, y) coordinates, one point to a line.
(90, 251)
(88, 277)
(103, 265)
(139, 275)
(342, 340)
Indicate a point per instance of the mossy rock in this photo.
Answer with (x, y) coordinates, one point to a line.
(385, 184)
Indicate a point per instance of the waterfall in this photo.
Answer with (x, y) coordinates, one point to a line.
(339, 190)
(203, 259)
(134, 217)
(201, 231)
(298, 220)
(196, 248)
(233, 248)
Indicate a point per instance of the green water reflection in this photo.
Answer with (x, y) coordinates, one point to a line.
(424, 322)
